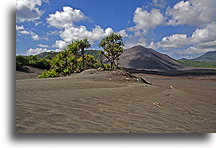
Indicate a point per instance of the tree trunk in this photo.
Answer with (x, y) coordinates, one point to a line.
(112, 63)
(102, 65)
(83, 57)
(117, 63)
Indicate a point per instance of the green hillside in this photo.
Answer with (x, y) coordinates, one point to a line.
(208, 56)
(200, 64)
(95, 53)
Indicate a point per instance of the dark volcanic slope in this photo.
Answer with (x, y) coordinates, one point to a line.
(139, 57)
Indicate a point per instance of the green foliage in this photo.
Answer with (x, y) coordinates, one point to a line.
(61, 62)
(201, 64)
(66, 71)
(21, 61)
(39, 63)
(48, 74)
(82, 44)
(89, 61)
(80, 59)
(33, 61)
(107, 66)
(48, 56)
(113, 48)
(121, 68)
(69, 61)
(95, 53)
(97, 64)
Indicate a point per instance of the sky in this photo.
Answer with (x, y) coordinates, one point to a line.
(181, 29)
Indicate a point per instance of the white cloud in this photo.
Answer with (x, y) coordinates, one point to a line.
(134, 41)
(53, 32)
(206, 34)
(145, 20)
(123, 33)
(159, 3)
(28, 10)
(19, 28)
(38, 23)
(40, 50)
(58, 50)
(202, 40)
(42, 45)
(199, 36)
(192, 12)
(36, 51)
(192, 50)
(80, 32)
(23, 31)
(65, 18)
(173, 41)
(60, 44)
(35, 37)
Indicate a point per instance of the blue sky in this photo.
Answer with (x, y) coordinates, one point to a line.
(177, 28)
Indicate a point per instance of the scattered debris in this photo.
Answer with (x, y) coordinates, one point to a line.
(101, 69)
(158, 104)
(127, 79)
(190, 112)
(139, 79)
(171, 87)
(129, 75)
(144, 81)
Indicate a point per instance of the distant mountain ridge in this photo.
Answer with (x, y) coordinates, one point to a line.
(208, 56)
(45, 54)
(95, 53)
(207, 60)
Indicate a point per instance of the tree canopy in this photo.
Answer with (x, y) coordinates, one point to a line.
(82, 44)
(113, 48)
(69, 60)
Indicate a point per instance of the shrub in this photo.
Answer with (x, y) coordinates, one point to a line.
(97, 64)
(107, 66)
(48, 74)
(21, 61)
(66, 72)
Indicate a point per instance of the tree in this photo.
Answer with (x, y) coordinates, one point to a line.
(113, 48)
(21, 61)
(82, 44)
(73, 50)
(89, 60)
(69, 61)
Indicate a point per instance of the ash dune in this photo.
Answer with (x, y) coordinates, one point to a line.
(28, 72)
(110, 102)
